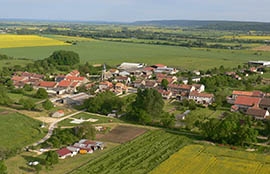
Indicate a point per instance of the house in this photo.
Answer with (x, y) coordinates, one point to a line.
(74, 73)
(63, 153)
(258, 113)
(201, 98)
(106, 85)
(114, 72)
(77, 79)
(165, 94)
(73, 149)
(122, 79)
(245, 102)
(124, 73)
(259, 63)
(47, 85)
(120, 88)
(59, 113)
(76, 99)
(166, 70)
(59, 78)
(159, 66)
(199, 87)
(138, 83)
(180, 88)
(150, 84)
(235, 94)
(265, 104)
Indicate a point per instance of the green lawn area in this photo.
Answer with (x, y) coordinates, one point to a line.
(114, 53)
(29, 95)
(18, 130)
(12, 62)
(266, 75)
(85, 116)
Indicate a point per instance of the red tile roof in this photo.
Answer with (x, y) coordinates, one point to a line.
(74, 84)
(74, 78)
(247, 101)
(64, 83)
(159, 65)
(47, 84)
(248, 93)
(63, 152)
(148, 69)
(18, 78)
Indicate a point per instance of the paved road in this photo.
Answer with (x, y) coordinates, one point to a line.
(53, 126)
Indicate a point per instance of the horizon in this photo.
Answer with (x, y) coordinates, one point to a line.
(126, 11)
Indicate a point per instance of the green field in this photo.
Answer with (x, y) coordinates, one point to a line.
(114, 53)
(18, 130)
(199, 159)
(138, 156)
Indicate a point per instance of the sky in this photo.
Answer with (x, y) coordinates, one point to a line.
(136, 10)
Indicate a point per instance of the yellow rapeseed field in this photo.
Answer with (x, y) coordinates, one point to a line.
(12, 41)
(199, 159)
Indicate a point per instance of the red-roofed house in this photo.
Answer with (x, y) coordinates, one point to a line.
(178, 89)
(235, 94)
(202, 98)
(47, 85)
(159, 66)
(120, 88)
(77, 79)
(63, 153)
(258, 113)
(106, 85)
(74, 73)
(244, 102)
(64, 84)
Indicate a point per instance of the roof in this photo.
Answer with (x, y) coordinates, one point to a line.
(181, 86)
(265, 101)
(74, 73)
(63, 152)
(47, 84)
(148, 69)
(60, 111)
(64, 83)
(74, 78)
(247, 101)
(18, 78)
(107, 83)
(74, 84)
(159, 65)
(164, 92)
(258, 112)
(205, 95)
(248, 93)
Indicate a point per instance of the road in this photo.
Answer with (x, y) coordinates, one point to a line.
(53, 126)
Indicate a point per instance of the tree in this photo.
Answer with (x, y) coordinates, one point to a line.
(167, 120)
(51, 158)
(27, 87)
(4, 98)
(3, 168)
(41, 93)
(27, 104)
(87, 131)
(47, 105)
(164, 83)
(64, 58)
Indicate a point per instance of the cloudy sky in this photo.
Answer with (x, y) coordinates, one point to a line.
(134, 10)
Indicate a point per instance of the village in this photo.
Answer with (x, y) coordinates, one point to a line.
(128, 77)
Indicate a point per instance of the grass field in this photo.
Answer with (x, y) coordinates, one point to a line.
(138, 156)
(210, 159)
(18, 130)
(13, 41)
(114, 53)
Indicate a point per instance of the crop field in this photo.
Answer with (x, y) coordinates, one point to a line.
(18, 130)
(138, 156)
(114, 53)
(13, 41)
(121, 134)
(209, 159)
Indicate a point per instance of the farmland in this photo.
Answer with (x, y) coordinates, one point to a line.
(18, 130)
(114, 53)
(13, 41)
(138, 156)
(209, 159)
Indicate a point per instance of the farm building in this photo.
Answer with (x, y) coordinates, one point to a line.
(130, 66)
(259, 63)
(64, 152)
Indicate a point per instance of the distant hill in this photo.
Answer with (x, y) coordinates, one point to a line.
(217, 25)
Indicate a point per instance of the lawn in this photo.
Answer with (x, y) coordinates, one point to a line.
(13, 62)
(86, 116)
(29, 95)
(17, 130)
(210, 159)
(114, 53)
(138, 156)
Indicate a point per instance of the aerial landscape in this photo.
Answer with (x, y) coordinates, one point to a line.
(125, 86)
